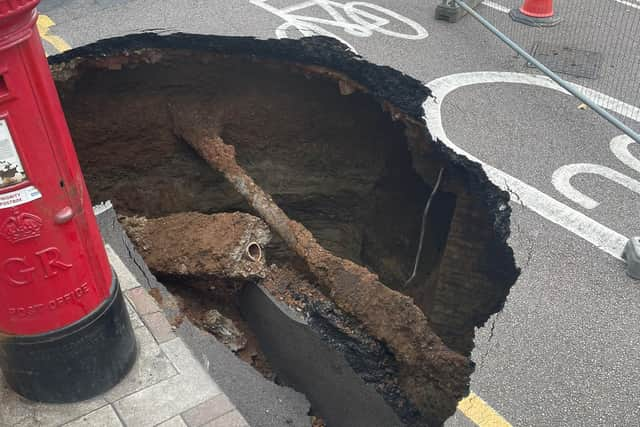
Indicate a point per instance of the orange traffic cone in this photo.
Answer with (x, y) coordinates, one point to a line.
(538, 8)
(537, 13)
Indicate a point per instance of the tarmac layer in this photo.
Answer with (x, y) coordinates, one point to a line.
(303, 360)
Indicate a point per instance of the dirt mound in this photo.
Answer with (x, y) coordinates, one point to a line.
(227, 245)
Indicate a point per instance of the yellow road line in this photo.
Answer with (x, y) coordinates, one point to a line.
(44, 24)
(479, 411)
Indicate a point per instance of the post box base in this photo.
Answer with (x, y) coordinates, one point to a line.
(77, 362)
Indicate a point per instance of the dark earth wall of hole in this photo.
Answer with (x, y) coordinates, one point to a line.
(339, 164)
(496, 271)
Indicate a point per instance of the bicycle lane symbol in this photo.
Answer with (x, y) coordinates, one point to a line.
(546, 206)
(359, 19)
(620, 148)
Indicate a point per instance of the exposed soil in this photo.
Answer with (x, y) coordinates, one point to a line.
(353, 169)
(198, 245)
(196, 297)
(387, 315)
(352, 185)
(205, 260)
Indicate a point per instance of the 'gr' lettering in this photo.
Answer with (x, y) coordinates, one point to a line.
(17, 271)
(50, 260)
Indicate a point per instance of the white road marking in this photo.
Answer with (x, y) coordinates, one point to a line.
(496, 6)
(633, 4)
(562, 181)
(581, 225)
(355, 11)
(620, 148)
(309, 30)
(354, 20)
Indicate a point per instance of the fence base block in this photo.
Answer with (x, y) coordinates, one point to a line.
(532, 21)
(632, 256)
(451, 12)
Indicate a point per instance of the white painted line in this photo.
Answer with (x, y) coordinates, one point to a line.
(620, 148)
(562, 181)
(496, 6)
(581, 225)
(354, 10)
(295, 7)
(357, 18)
(635, 5)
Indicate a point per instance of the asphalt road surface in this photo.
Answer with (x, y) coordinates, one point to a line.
(566, 348)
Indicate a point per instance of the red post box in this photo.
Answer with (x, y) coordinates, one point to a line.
(65, 334)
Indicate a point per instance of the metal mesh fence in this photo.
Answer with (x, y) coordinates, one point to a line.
(596, 45)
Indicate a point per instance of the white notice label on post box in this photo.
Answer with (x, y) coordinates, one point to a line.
(11, 170)
(19, 197)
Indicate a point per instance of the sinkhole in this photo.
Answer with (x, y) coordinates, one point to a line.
(342, 149)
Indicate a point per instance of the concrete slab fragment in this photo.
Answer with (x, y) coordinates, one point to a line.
(262, 402)
(103, 417)
(293, 346)
(151, 368)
